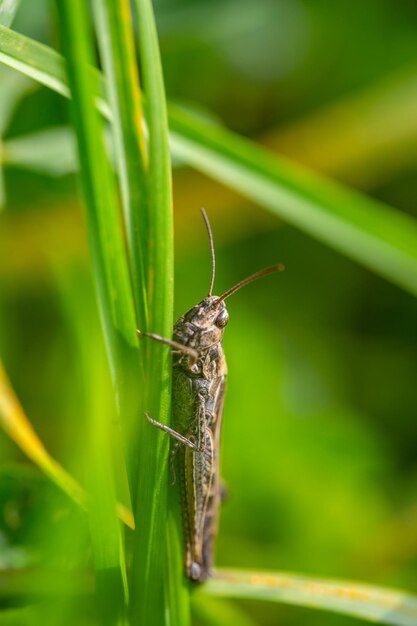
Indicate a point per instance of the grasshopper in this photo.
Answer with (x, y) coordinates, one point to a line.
(198, 388)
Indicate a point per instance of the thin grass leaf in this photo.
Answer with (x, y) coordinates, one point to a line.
(113, 287)
(117, 50)
(8, 10)
(104, 226)
(106, 533)
(50, 152)
(103, 439)
(34, 60)
(375, 235)
(376, 604)
(157, 585)
(178, 592)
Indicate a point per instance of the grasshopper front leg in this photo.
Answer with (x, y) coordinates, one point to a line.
(178, 347)
(172, 432)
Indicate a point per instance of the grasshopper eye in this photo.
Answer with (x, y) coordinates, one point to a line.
(222, 319)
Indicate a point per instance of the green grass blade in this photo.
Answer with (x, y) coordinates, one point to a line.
(117, 50)
(160, 192)
(106, 532)
(8, 10)
(34, 59)
(104, 226)
(46, 66)
(156, 584)
(375, 235)
(113, 288)
(368, 231)
(376, 604)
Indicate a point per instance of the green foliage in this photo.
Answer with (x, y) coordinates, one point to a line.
(318, 437)
(374, 234)
(385, 606)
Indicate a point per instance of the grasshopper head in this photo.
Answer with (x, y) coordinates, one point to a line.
(203, 325)
(209, 312)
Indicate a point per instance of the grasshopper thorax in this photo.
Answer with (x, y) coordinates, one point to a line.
(203, 325)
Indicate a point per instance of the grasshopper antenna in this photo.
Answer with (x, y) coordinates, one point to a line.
(213, 257)
(250, 279)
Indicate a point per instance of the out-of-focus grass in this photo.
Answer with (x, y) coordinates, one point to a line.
(385, 606)
(117, 50)
(375, 235)
(117, 314)
(319, 439)
(365, 139)
(146, 196)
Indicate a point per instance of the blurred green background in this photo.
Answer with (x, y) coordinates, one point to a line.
(319, 431)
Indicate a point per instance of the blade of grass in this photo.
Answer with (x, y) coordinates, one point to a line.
(379, 237)
(112, 284)
(368, 231)
(117, 50)
(106, 533)
(17, 426)
(102, 439)
(367, 602)
(157, 584)
(104, 226)
(376, 604)
(51, 151)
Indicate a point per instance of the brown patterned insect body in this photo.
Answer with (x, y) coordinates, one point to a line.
(198, 388)
(198, 395)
